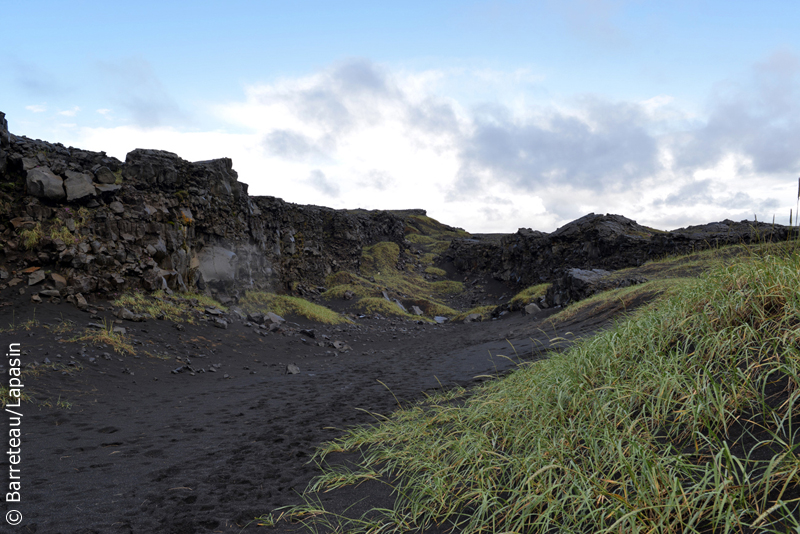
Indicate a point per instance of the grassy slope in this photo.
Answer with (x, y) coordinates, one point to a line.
(682, 418)
(402, 274)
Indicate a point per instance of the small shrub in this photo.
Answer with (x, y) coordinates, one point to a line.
(529, 294)
(106, 336)
(62, 233)
(32, 236)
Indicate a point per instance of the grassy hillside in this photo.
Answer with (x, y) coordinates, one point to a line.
(407, 275)
(682, 418)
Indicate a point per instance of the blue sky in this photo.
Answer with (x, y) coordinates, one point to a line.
(491, 115)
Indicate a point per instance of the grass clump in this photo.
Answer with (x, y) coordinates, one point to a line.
(156, 305)
(6, 397)
(261, 301)
(381, 306)
(61, 232)
(203, 301)
(682, 418)
(529, 294)
(436, 271)
(484, 311)
(105, 336)
(31, 236)
(179, 307)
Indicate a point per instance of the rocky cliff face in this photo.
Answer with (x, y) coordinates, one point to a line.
(157, 221)
(594, 242)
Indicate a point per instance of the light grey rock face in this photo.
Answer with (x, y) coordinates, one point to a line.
(79, 186)
(42, 183)
(218, 264)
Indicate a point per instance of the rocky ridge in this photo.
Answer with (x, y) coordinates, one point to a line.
(78, 223)
(156, 221)
(606, 242)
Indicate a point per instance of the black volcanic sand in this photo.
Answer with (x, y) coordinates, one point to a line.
(142, 449)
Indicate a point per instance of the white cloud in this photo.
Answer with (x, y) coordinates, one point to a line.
(319, 181)
(360, 135)
(37, 108)
(70, 112)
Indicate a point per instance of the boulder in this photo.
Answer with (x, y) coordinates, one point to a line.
(79, 186)
(275, 318)
(256, 317)
(23, 223)
(473, 318)
(42, 183)
(105, 176)
(530, 309)
(80, 302)
(36, 277)
(127, 315)
(107, 189)
(576, 284)
(153, 167)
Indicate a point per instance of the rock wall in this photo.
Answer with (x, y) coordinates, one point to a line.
(157, 221)
(594, 242)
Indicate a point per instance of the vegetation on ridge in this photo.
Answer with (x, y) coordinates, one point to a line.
(261, 301)
(681, 418)
(404, 275)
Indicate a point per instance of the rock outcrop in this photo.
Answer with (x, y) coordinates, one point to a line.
(608, 242)
(157, 221)
(578, 284)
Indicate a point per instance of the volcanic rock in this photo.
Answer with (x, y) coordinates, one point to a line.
(42, 183)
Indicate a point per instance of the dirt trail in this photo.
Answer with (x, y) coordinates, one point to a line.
(126, 445)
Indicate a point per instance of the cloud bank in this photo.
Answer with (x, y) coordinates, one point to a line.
(360, 134)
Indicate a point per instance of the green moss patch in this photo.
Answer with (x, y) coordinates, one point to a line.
(261, 301)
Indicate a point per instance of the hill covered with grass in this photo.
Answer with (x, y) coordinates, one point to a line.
(683, 417)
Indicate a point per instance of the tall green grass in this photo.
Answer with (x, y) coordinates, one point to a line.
(683, 418)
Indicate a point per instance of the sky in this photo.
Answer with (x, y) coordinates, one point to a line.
(491, 115)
